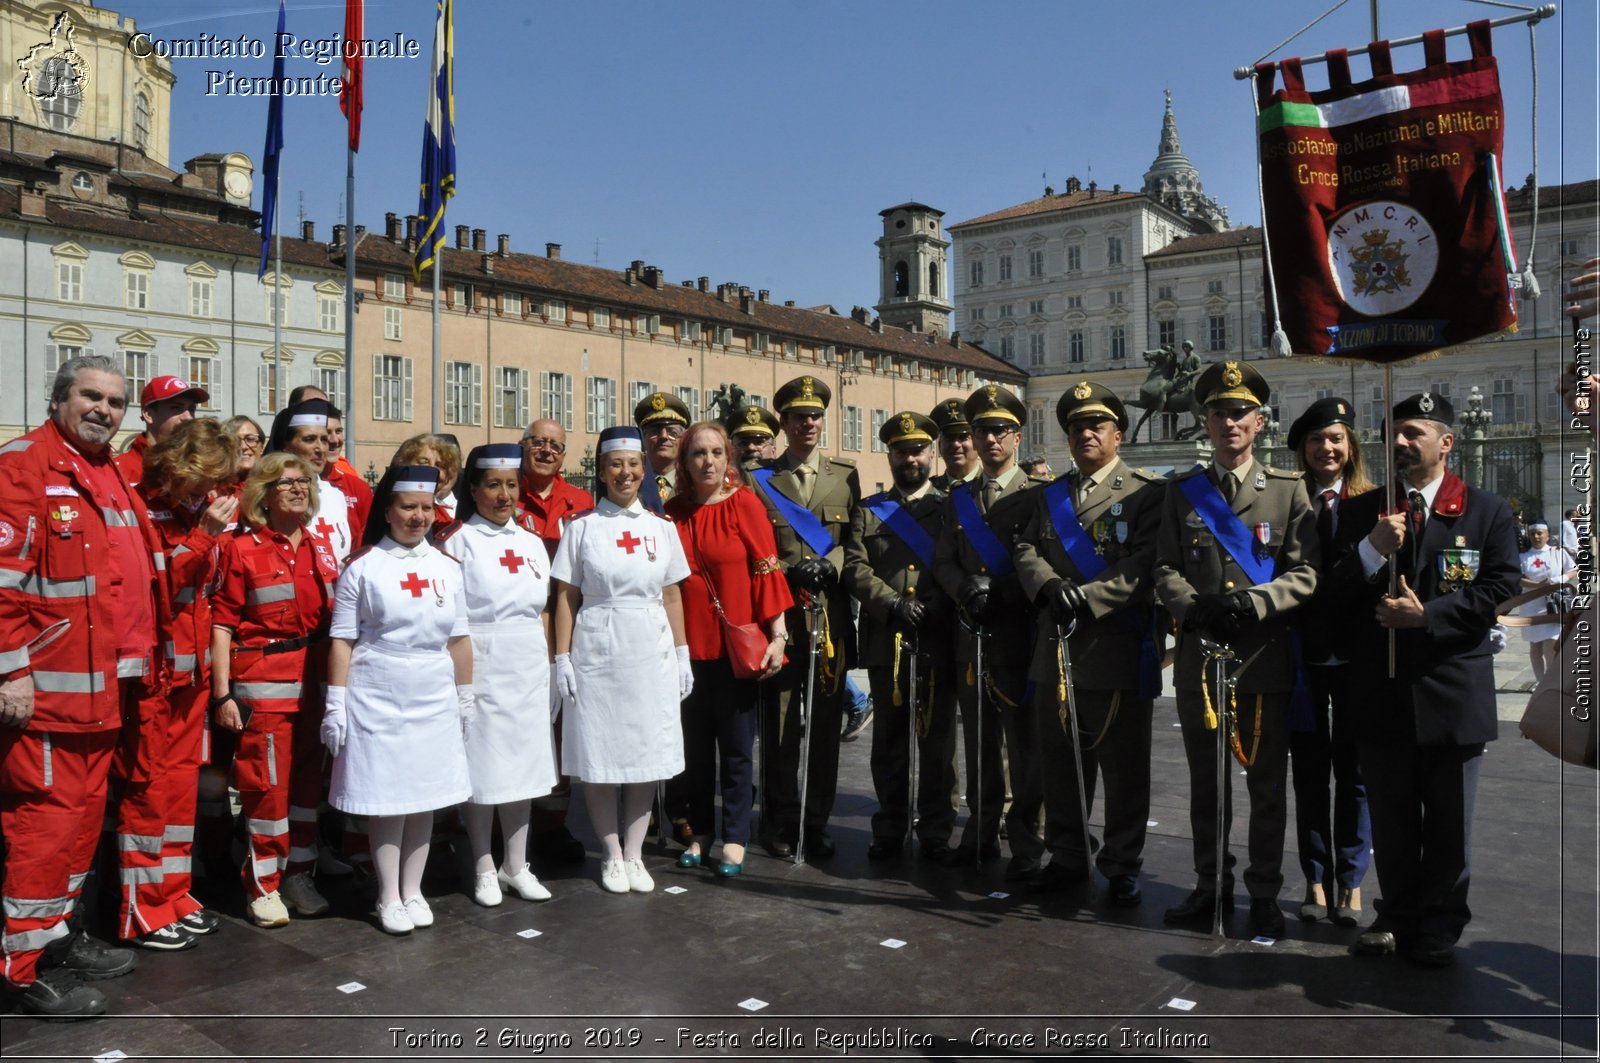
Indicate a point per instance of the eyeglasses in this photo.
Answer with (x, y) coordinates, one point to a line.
(249, 441)
(288, 483)
(545, 444)
(999, 431)
(671, 430)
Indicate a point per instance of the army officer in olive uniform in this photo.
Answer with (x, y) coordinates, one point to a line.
(662, 419)
(753, 431)
(974, 566)
(890, 572)
(1085, 561)
(1243, 595)
(955, 444)
(811, 500)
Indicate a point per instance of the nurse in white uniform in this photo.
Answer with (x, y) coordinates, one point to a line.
(399, 690)
(622, 657)
(302, 429)
(1543, 564)
(510, 754)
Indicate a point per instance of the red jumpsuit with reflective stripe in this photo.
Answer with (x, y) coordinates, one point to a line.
(57, 626)
(276, 596)
(163, 744)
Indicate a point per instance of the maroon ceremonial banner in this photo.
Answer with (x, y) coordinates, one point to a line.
(1384, 210)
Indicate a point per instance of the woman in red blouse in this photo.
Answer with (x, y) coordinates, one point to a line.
(729, 543)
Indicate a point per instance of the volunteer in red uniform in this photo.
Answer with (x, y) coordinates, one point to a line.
(251, 440)
(548, 504)
(158, 761)
(341, 474)
(76, 612)
(164, 404)
(548, 500)
(270, 617)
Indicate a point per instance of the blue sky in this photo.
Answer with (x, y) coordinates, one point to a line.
(756, 142)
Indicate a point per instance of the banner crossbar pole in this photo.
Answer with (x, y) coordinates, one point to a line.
(1535, 15)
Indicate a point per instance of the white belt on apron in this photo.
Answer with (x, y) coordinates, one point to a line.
(620, 603)
(393, 649)
(504, 627)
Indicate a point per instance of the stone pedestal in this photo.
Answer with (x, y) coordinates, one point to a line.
(1168, 456)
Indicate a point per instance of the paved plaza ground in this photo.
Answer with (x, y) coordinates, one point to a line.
(898, 960)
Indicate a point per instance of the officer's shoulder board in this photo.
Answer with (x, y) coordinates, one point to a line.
(760, 463)
(363, 552)
(1282, 474)
(1198, 470)
(1146, 475)
(580, 514)
(660, 516)
(846, 462)
(1040, 481)
(443, 533)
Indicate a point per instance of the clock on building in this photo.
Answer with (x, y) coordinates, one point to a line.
(237, 184)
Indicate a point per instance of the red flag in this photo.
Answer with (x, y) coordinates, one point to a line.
(350, 95)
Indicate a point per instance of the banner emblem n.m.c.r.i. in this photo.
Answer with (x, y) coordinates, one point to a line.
(1382, 257)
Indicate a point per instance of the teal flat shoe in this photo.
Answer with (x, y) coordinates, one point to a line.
(728, 870)
(688, 859)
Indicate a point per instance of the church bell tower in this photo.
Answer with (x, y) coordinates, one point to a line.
(913, 269)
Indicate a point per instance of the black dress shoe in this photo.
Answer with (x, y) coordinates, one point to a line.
(1124, 891)
(1374, 943)
(777, 846)
(1055, 877)
(885, 848)
(1199, 906)
(819, 845)
(1430, 953)
(938, 852)
(962, 855)
(1019, 868)
(1267, 917)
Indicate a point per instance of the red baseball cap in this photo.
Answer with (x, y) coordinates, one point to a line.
(170, 387)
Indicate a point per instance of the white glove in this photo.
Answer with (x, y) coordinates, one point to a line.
(467, 704)
(685, 673)
(566, 678)
(1497, 638)
(334, 726)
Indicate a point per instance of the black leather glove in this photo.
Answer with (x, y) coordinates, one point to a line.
(815, 574)
(908, 613)
(975, 597)
(1203, 612)
(1062, 598)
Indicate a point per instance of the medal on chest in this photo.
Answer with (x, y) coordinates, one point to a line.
(630, 542)
(416, 585)
(513, 562)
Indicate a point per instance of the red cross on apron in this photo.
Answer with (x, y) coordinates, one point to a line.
(628, 542)
(414, 583)
(512, 561)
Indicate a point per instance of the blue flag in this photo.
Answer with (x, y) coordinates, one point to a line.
(438, 143)
(273, 149)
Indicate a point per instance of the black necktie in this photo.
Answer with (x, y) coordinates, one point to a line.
(1325, 517)
(1227, 485)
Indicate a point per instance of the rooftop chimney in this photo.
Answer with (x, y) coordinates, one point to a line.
(877, 325)
(652, 277)
(858, 314)
(629, 277)
(391, 227)
(308, 230)
(747, 302)
(688, 284)
(338, 236)
(638, 267)
(722, 291)
(361, 230)
(1092, 189)
(488, 262)
(704, 284)
(552, 251)
(788, 302)
(763, 294)
(503, 245)
(463, 234)
(955, 339)
(480, 241)
(32, 203)
(411, 232)
(1116, 188)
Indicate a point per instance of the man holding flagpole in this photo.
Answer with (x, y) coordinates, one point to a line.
(438, 173)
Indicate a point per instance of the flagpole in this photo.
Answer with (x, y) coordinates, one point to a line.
(277, 300)
(349, 302)
(436, 399)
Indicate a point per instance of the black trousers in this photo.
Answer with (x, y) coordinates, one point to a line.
(782, 699)
(891, 752)
(719, 732)
(1422, 798)
(1115, 746)
(1266, 781)
(1332, 825)
(1005, 712)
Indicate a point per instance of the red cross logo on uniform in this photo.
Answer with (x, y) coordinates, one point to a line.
(628, 542)
(413, 583)
(324, 529)
(512, 560)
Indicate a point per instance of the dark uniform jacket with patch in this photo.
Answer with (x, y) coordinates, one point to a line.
(1010, 641)
(880, 567)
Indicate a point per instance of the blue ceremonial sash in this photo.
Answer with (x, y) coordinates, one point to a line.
(1224, 523)
(1058, 501)
(990, 549)
(899, 520)
(802, 520)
